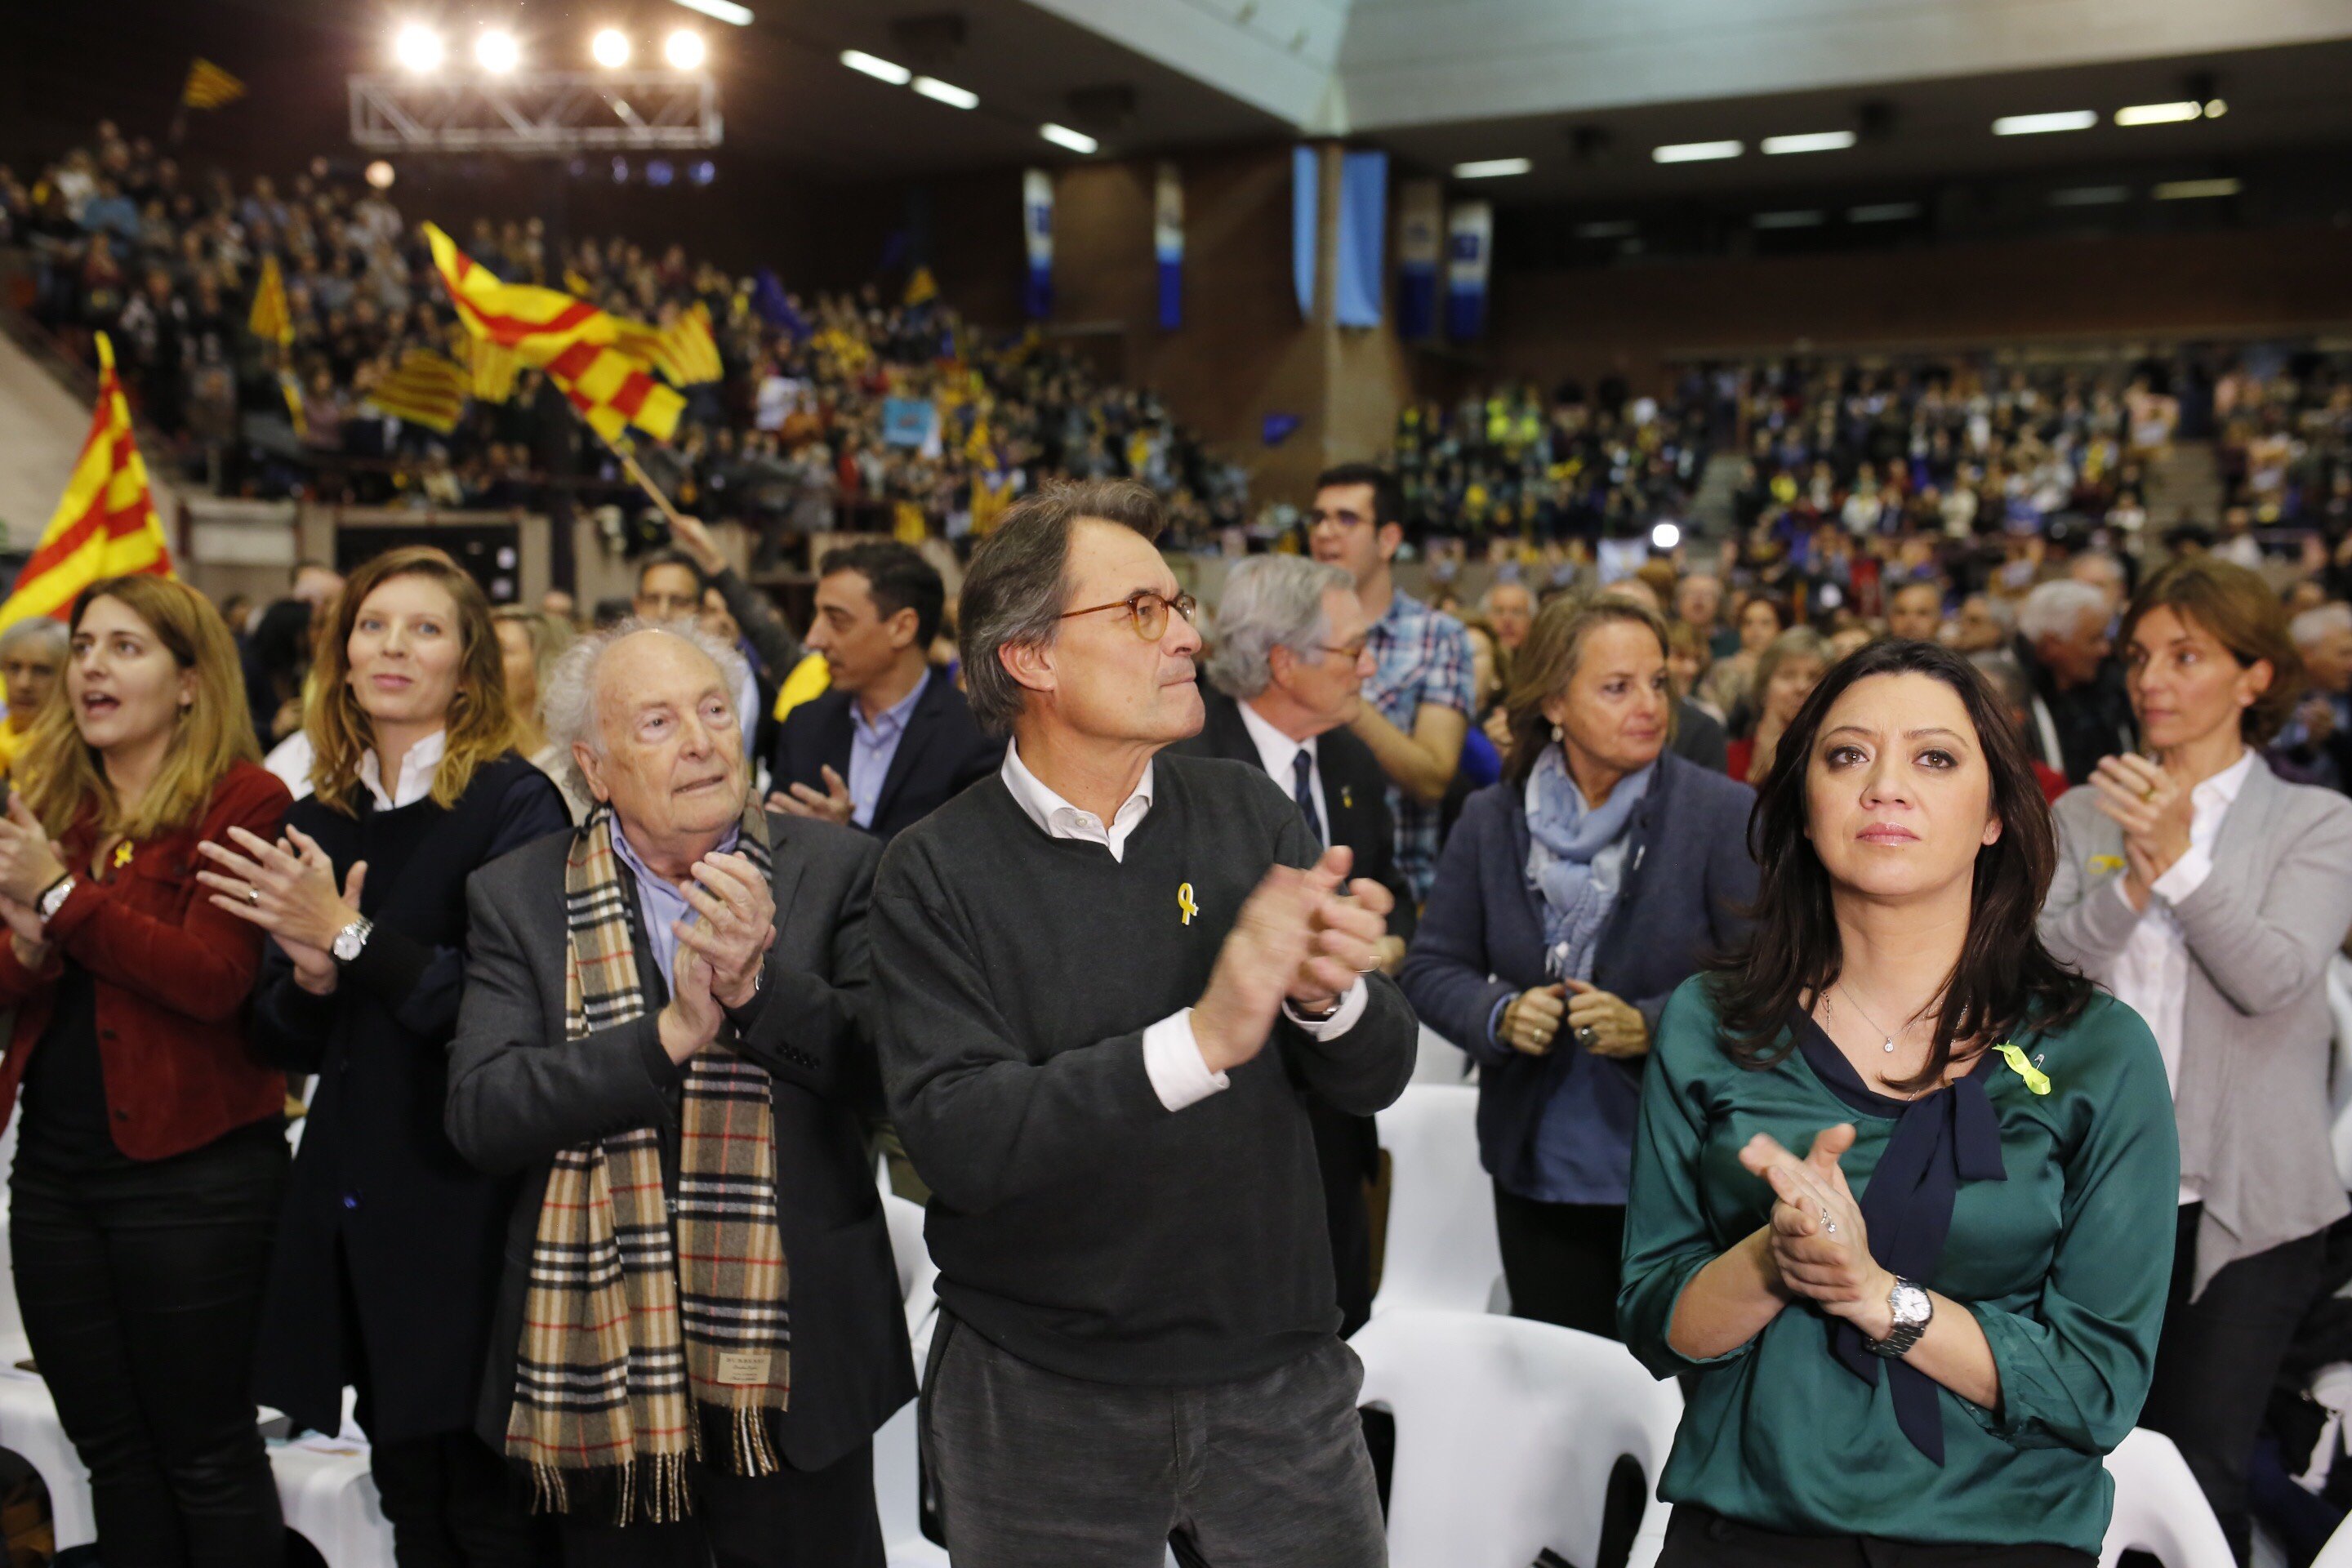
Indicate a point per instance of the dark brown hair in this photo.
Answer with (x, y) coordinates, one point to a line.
(2238, 609)
(2005, 978)
(1547, 663)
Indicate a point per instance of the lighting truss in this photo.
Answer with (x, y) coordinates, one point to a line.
(535, 111)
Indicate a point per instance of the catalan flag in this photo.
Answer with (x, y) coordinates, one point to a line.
(424, 388)
(106, 525)
(580, 347)
(209, 87)
(493, 366)
(684, 350)
(922, 288)
(270, 320)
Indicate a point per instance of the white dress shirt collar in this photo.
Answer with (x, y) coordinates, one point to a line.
(1060, 819)
(416, 771)
(1275, 749)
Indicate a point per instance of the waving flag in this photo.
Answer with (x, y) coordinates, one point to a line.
(209, 87)
(270, 320)
(424, 388)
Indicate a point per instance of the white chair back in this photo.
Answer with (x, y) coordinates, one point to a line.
(1441, 1250)
(2159, 1507)
(1437, 1059)
(2339, 1067)
(1508, 1432)
(2337, 1553)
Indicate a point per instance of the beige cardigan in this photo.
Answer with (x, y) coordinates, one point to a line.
(2256, 1032)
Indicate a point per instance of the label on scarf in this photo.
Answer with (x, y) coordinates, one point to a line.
(741, 1367)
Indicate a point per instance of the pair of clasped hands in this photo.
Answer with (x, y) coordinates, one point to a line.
(1303, 937)
(1815, 1242)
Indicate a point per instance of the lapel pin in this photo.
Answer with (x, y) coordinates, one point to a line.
(2105, 863)
(1184, 902)
(122, 854)
(1347, 797)
(2036, 1079)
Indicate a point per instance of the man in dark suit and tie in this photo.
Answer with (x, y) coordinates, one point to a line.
(1286, 674)
(893, 739)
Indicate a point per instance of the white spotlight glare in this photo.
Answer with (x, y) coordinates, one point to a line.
(379, 174)
(1062, 136)
(2157, 113)
(2194, 190)
(497, 52)
(876, 67)
(683, 49)
(2039, 124)
(418, 48)
(610, 48)
(2215, 108)
(1665, 536)
(1696, 151)
(938, 91)
(725, 10)
(1492, 169)
(1809, 142)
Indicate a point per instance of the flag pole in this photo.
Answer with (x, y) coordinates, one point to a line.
(620, 450)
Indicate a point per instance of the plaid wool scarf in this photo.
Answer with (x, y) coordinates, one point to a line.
(641, 1348)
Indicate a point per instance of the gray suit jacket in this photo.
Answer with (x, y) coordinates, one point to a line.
(519, 1092)
(2251, 1098)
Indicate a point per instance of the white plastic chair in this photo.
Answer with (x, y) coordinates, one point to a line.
(29, 1429)
(1441, 1251)
(2337, 1553)
(330, 1500)
(897, 1464)
(2160, 1509)
(1437, 1059)
(1508, 1432)
(2340, 1067)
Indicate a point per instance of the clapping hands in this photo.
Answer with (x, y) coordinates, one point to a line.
(1819, 1246)
(1297, 938)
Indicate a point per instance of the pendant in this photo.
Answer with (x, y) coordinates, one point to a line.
(1889, 1047)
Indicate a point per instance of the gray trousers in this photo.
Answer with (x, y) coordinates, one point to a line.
(1035, 1468)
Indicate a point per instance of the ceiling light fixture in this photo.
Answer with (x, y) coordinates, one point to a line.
(684, 50)
(1492, 168)
(1811, 141)
(2157, 113)
(1062, 136)
(876, 67)
(1884, 211)
(610, 48)
(2041, 125)
(419, 48)
(497, 52)
(1696, 151)
(1806, 218)
(2090, 196)
(2215, 108)
(725, 10)
(1609, 228)
(938, 91)
(2190, 190)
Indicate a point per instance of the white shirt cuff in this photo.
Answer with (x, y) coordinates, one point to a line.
(1351, 1008)
(1172, 1060)
(2188, 875)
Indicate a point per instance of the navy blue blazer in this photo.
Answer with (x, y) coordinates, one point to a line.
(942, 752)
(1688, 882)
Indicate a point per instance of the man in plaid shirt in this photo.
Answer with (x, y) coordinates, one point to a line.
(1417, 703)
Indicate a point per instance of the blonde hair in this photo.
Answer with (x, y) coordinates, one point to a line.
(63, 772)
(480, 726)
(1548, 662)
(548, 638)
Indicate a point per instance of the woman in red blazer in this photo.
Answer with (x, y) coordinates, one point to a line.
(152, 1150)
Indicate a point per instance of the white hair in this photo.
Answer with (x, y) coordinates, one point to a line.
(2320, 622)
(1271, 602)
(51, 634)
(568, 706)
(2056, 608)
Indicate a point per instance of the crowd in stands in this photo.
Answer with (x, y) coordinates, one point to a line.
(2285, 441)
(847, 411)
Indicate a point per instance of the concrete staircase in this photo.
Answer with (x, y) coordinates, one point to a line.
(1711, 512)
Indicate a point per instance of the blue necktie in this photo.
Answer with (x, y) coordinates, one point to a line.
(1302, 790)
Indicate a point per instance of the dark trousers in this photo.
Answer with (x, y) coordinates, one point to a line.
(2218, 1356)
(1348, 1152)
(794, 1519)
(1038, 1471)
(1699, 1538)
(1561, 1261)
(141, 1288)
(452, 1503)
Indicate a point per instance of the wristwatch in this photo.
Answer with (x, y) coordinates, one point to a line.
(351, 939)
(1912, 1308)
(54, 899)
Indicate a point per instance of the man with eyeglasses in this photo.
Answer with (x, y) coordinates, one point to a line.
(1418, 699)
(1105, 977)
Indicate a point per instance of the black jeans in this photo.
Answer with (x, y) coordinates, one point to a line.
(1561, 1261)
(1700, 1538)
(794, 1519)
(2218, 1356)
(141, 1288)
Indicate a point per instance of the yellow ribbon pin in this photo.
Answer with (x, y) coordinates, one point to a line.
(1346, 798)
(2035, 1079)
(2105, 863)
(122, 854)
(1184, 902)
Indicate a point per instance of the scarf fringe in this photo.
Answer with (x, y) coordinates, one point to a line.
(649, 1489)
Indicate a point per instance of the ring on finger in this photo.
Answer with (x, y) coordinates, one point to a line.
(1586, 1035)
(253, 895)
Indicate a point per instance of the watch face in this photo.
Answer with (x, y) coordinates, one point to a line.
(1910, 1304)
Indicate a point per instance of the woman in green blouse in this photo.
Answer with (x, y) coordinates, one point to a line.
(1940, 1360)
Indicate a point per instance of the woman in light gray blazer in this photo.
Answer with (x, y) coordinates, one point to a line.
(2210, 894)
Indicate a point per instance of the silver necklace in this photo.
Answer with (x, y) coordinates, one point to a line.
(1889, 1034)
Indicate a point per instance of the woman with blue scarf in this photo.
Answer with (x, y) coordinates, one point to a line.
(1571, 899)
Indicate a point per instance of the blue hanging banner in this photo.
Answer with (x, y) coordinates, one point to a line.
(1306, 225)
(1167, 243)
(1037, 234)
(1421, 241)
(1469, 251)
(1362, 249)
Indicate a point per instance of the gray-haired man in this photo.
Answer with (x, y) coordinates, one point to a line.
(1105, 975)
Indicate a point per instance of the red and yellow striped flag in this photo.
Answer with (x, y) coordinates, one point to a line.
(272, 320)
(683, 351)
(209, 87)
(577, 344)
(106, 525)
(424, 388)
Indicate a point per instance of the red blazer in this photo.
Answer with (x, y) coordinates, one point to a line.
(174, 980)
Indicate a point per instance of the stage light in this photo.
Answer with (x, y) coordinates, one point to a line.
(1809, 142)
(938, 91)
(610, 48)
(1665, 536)
(1697, 151)
(2039, 124)
(725, 10)
(1062, 136)
(2215, 108)
(703, 171)
(1492, 168)
(497, 52)
(683, 49)
(2191, 190)
(876, 67)
(379, 174)
(419, 48)
(2157, 113)
(658, 173)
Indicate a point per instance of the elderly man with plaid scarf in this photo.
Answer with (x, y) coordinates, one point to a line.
(664, 1029)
